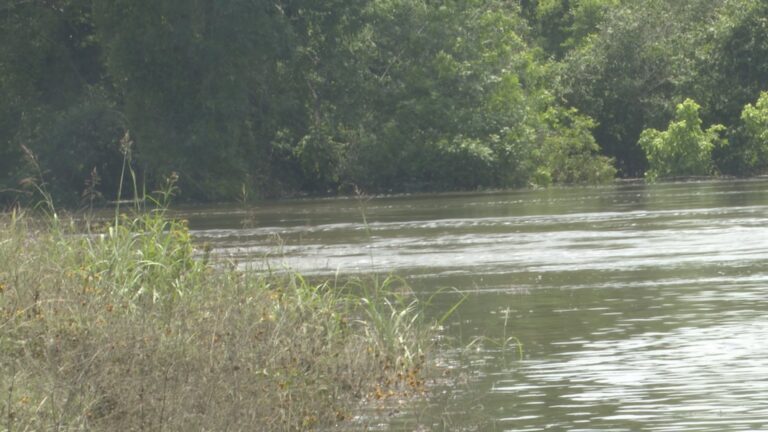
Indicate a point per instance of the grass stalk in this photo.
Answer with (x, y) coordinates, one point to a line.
(125, 329)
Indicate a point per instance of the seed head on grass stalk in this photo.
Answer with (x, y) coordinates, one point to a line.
(148, 257)
(37, 182)
(392, 319)
(129, 331)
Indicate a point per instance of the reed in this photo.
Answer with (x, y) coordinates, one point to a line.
(118, 326)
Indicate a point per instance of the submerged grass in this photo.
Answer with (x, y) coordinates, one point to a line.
(123, 328)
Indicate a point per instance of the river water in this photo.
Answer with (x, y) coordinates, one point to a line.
(638, 307)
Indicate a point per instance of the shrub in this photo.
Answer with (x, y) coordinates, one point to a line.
(755, 129)
(569, 153)
(124, 329)
(684, 149)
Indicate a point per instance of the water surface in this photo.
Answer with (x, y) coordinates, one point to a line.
(638, 307)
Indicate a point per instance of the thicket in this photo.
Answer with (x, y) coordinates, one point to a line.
(684, 149)
(281, 97)
(646, 57)
(121, 325)
(300, 96)
(753, 134)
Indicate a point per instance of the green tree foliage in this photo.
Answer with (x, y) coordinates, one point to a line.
(731, 69)
(562, 25)
(456, 95)
(754, 131)
(386, 95)
(733, 59)
(460, 99)
(684, 149)
(184, 73)
(53, 100)
(569, 153)
(588, 16)
(290, 96)
(630, 75)
(649, 55)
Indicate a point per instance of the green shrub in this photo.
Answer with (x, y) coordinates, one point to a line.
(684, 149)
(569, 153)
(124, 329)
(755, 127)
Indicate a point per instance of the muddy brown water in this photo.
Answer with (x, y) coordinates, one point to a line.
(639, 307)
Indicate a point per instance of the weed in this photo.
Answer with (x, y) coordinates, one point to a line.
(504, 343)
(122, 328)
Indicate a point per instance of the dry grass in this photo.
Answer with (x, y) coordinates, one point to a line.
(124, 329)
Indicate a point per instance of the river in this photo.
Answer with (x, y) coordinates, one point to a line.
(638, 307)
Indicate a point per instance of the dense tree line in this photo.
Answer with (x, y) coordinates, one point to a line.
(297, 96)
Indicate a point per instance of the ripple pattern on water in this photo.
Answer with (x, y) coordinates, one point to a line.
(638, 307)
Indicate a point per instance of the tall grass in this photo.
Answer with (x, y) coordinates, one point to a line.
(119, 327)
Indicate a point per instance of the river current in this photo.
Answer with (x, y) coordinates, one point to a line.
(637, 307)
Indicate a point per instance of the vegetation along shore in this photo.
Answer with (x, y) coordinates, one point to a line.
(119, 325)
(122, 325)
(268, 99)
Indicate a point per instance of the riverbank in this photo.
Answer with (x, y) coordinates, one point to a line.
(125, 329)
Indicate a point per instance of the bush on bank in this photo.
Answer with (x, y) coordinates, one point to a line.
(124, 328)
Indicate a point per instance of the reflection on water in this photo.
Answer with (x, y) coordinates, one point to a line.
(639, 307)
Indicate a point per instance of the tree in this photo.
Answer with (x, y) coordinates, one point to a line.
(569, 153)
(445, 88)
(754, 134)
(286, 96)
(632, 72)
(186, 74)
(318, 92)
(731, 68)
(53, 99)
(455, 99)
(684, 149)
(562, 25)
(733, 59)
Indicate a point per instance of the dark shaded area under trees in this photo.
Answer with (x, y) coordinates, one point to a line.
(273, 98)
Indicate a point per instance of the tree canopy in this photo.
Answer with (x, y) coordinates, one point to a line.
(323, 97)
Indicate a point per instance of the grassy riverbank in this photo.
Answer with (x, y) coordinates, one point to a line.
(128, 329)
